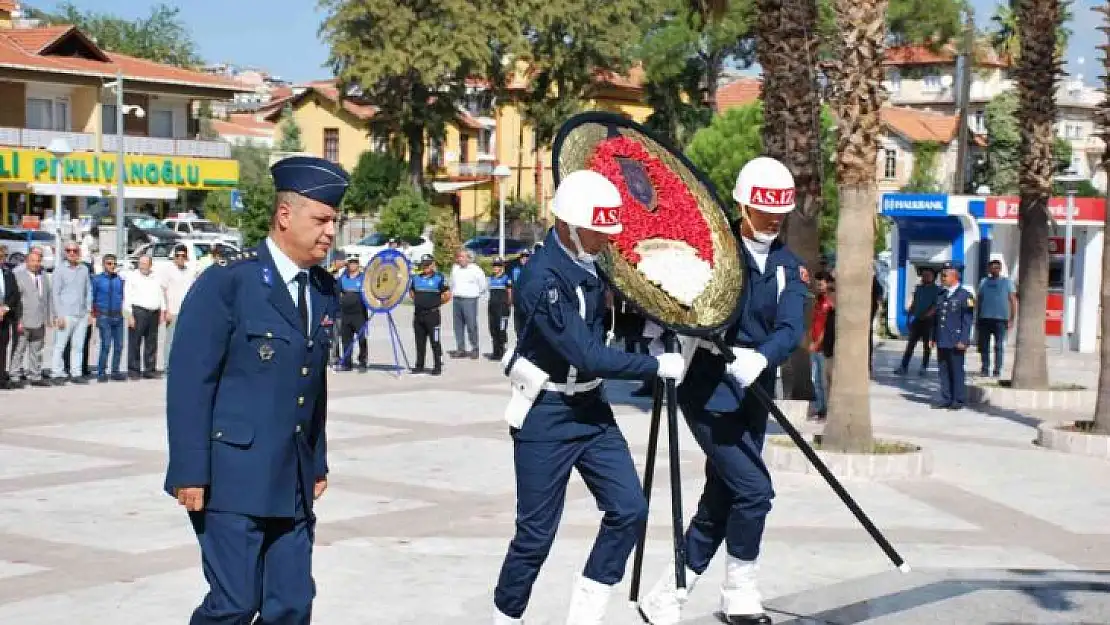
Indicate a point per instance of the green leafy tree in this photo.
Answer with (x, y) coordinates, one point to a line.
(446, 239)
(204, 116)
(375, 179)
(923, 178)
(1005, 32)
(412, 59)
(684, 56)
(405, 215)
(1004, 145)
(257, 190)
(160, 37)
(289, 132)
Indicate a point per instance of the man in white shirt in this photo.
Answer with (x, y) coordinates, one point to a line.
(143, 302)
(468, 283)
(177, 279)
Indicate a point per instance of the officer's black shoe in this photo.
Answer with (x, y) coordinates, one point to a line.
(744, 619)
(436, 371)
(941, 406)
(417, 370)
(956, 407)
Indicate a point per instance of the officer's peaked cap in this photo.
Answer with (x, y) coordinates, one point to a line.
(427, 259)
(312, 177)
(952, 265)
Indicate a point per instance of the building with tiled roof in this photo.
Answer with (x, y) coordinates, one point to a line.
(56, 83)
(740, 92)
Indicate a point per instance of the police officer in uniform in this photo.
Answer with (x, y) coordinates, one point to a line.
(429, 290)
(353, 314)
(500, 308)
(738, 492)
(246, 406)
(561, 308)
(955, 317)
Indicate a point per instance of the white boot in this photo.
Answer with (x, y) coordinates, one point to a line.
(501, 619)
(588, 602)
(739, 594)
(663, 603)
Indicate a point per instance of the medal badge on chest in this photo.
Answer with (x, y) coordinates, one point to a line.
(266, 352)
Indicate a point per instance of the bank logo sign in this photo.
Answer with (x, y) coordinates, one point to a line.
(915, 204)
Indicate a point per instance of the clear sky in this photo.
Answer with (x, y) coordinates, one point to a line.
(281, 35)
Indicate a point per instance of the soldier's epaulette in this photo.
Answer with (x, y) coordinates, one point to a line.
(247, 254)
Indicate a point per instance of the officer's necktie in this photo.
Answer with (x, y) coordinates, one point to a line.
(302, 300)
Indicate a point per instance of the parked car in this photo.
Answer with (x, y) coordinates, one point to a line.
(19, 241)
(490, 246)
(374, 243)
(162, 253)
(189, 226)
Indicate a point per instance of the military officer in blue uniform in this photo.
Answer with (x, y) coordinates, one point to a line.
(353, 314)
(430, 290)
(738, 490)
(559, 417)
(500, 307)
(955, 316)
(247, 402)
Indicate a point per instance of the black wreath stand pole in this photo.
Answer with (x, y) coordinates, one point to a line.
(663, 393)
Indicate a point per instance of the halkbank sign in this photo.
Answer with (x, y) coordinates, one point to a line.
(144, 171)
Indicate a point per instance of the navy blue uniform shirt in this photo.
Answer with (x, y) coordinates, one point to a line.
(427, 291)
(246, 402)
(554, 335)
(954, 318)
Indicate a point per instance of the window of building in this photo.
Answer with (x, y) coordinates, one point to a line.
(485, 141)
(108, 118)
(379, 143)
(48, 114)
(161, 124)
(979, 122)
(464, 148)
(331, 144)
(435, 152)
(890, 163)
(931, 82)
(895, 78)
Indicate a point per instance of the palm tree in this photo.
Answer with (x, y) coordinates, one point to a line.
(857, 76)
(1102, 404)
(1037, 72)
(787, 42)
(1006, 36)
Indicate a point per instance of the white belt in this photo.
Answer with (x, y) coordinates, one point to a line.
(571, 388)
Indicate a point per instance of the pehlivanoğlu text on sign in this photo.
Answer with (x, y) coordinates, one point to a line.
(145, 171)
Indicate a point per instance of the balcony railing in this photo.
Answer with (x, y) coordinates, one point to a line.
(484, 168)
(86, 142)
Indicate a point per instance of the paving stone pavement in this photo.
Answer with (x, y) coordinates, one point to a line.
(420, 511)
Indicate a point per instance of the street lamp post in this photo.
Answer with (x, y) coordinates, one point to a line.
(501, 172)
(59, 147)
(121, 110)
(1070, 180)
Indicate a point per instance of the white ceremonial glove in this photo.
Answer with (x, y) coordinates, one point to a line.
(747, 366)
(671, 366)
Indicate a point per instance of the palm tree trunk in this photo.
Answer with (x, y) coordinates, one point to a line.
(786, 47)
(1102, 403)
(1037, 72)
(858, 75)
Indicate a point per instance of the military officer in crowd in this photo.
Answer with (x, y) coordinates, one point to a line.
(430, 290)
(955, 316)
(567, 423)
(353, 314)
(500, 307)
(247, 402)
(738, 492)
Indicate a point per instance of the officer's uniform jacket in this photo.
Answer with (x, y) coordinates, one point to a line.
(247, 399)
(561, 328)
(771, 321)
(428, 290)
(955, 317)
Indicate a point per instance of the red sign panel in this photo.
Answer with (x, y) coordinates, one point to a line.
(1054, 315)
(1086, 209)
(1056, 246)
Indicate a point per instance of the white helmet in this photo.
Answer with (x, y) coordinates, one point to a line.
(586, 199)
(766, 185)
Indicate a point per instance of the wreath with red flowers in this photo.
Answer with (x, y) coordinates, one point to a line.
(676, 215)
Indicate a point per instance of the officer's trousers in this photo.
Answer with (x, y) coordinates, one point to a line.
(737, 497)
(953, 389)
(255, 566)
(425, 325)
(350, 327)
(498, 313)
(542, 473)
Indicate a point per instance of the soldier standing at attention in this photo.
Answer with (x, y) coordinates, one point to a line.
(954, 318)
(247, 402)
(429, 291)
(500, 307)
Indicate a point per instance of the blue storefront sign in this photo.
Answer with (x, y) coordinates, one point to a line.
(236, 200)
(915, 204)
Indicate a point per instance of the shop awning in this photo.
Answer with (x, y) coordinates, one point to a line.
(91, 190)
(451, 187)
